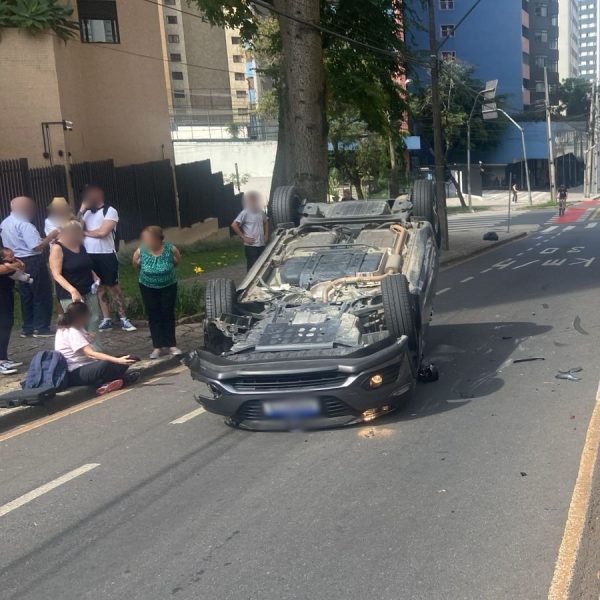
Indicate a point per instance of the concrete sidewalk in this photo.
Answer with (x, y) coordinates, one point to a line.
(189, 336)
(498, 199)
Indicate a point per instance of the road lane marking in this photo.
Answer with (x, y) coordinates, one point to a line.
(443, 291)
(44, 489)
(21, 429)
(188, 417)
(549, 229)
(467, 279)
(591, 225)
(578, 510)
(569, 227)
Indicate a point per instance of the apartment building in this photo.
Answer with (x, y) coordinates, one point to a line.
(568, 39)
(109, 82)
(589, 24)
(207, 69)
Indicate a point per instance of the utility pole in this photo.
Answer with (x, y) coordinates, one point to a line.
(551, 165)
(587, 190)
(438, 144)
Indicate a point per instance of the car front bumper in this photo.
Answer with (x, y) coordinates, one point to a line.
(340, 385)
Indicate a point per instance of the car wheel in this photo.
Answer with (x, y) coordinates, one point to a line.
(219, 297)
(399, 310)
(284, 208)
(425, 206)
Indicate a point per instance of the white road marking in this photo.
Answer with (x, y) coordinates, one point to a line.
(591, 225)
(528, 249)
(443, 291)
(569, 227)
(467, 279)
(190, 415)
(520, 254)
(525, 265)
(486, 271)
(549, 229)
(44, 489)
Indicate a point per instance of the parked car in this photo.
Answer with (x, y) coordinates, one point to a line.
(329, 326)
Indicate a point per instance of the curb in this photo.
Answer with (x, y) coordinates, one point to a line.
(76, 395)
(453, 261)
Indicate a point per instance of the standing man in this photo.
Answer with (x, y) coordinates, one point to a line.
(515, 193)
(562, 200)
(100, 222)
(21, 236)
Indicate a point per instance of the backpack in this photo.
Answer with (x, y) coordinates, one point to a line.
(48, 369)
(115, 233)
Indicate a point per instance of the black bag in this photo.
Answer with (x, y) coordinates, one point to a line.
(27, 397)
(115, 232)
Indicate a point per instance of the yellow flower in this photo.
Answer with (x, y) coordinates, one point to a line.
(198, 270)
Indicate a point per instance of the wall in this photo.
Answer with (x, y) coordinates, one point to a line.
(489, 40)
(28, 95)
(117, 101)
(256, 159)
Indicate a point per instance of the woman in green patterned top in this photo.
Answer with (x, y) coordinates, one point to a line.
(156, 260)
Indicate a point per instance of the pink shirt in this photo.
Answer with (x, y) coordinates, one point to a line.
(70, 342)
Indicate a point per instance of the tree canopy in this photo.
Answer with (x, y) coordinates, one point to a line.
(36, 16)
(574, 95)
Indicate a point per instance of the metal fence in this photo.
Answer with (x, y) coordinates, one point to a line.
(203, 195)
(42, 184)
(143, 194)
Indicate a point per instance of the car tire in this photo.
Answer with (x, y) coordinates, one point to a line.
(425, 206)
(219, 297)
(399, 310)
(284, 208)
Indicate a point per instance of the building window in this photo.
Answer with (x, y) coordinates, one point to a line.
(447, 31)
(98, 22)
(172, 20)
(540, 87)
(446, 4)
(240, 77)
(178, 94)
(175, 57)
(235, 40)
(241, 94)
(541, 35)
(177, 75)
(169, 2)
(237, 58)
(449, 55)
(541, 10)
(173, 39)
(540, 61)
(242, 112)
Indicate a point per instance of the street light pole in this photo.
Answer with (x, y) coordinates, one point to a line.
(488, 90)
(524, 151)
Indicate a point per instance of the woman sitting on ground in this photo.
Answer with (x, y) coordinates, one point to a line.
(156, 261)
(87, 366)
(71, 268)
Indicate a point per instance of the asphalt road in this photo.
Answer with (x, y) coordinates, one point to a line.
(462, 495)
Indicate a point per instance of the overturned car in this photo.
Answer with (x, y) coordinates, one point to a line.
(328, 327)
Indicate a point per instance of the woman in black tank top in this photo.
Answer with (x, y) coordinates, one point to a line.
(72, 270)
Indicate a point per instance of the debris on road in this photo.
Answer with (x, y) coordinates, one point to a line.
(573, 370)
(523, 474)
(530, 359)
(428, 373)
(567, 376)
(490, 236)
(577, 326)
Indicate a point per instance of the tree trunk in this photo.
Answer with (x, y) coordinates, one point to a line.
(303, 130)
(357, 183)
(394, 173)
(458, 190)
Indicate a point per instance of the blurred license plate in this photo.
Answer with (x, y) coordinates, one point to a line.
(292, 409)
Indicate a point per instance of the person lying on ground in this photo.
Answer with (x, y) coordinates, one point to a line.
(86, 366)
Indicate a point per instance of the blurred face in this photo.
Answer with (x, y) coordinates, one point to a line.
(347, 195)
(8, 255)
(150, 241)
(72, 235)
(82, 322)
(61, 213)
(94, 198)
(253, 202)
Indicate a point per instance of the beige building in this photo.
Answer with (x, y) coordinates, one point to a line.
(207, 65)
(110, 82)
(568, 39)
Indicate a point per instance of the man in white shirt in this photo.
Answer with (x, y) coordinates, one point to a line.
(21, 236)
(100, 222)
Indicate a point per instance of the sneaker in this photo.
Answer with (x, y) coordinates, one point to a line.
(131, 377)
(175, 351)
(11, 364)
(155, 354)
(105, 325)
(111, 386)
(7, 370)
(127, 325)
(43, 333)
(26, 334)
